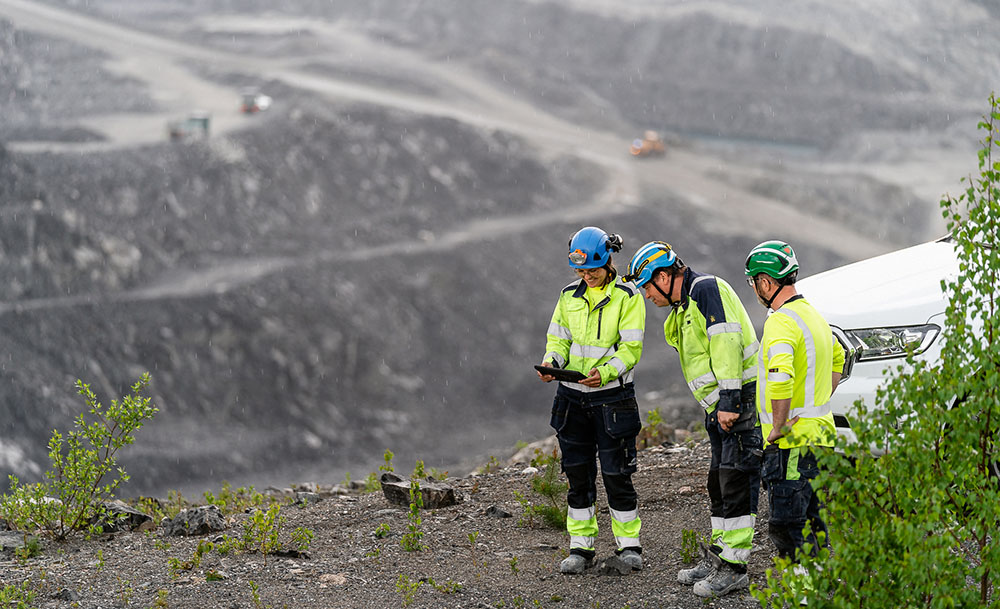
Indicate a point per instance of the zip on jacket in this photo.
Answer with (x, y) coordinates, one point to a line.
(579, 340)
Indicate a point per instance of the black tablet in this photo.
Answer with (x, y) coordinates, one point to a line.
(561, 374)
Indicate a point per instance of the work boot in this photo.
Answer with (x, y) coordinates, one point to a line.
(725, 580)
(574, 564)
(632, 559)
(705, 568)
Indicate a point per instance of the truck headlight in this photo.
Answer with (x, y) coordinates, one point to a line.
(886, 343)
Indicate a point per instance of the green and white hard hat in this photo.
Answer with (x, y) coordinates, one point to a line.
(775, 258)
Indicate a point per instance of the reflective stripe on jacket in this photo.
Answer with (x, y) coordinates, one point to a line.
(798, 357)
(606, 335)
(715, 339)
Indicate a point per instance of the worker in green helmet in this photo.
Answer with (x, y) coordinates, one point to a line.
(798, 369)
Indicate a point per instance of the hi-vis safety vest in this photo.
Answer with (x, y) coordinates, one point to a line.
(798, 357)
(714, 337)
(606, 335)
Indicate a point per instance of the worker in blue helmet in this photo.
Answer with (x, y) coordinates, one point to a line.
(717, 344)
(597, 329)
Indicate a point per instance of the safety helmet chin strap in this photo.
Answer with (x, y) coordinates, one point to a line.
(781, 284)
(670, 301)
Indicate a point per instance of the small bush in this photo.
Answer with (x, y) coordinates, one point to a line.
(387, 466)
(302, 538)
(548, 485)
(690, 545)
(70, 499)
(235, 501)
(372, 484)
(411, 539)
(493, 465)
(21, 597)
(262, 530)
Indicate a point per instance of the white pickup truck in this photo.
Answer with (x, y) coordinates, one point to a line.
(878, 308)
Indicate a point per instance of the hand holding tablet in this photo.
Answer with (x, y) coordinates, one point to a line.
(561, 374)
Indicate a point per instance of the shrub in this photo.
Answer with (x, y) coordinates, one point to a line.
(302, 538)
(691, 542)
(917, 527)
(387, 466)
(411, 539)
(70, 499)
(21, 596)
(237, 501)
(261, 531)
(372, 483)
(549, 486)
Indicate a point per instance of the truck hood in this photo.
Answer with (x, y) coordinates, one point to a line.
(902, 288)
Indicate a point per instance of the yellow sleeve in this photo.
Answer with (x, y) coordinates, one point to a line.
(838, 356)
(558, 338)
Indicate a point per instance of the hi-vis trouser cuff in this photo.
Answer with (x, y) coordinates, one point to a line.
(735, 537)
(581, 524)
(625, 525)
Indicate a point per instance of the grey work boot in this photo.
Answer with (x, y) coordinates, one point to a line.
(705, 568)
(725, 580)
(632, 559)
(574, 564)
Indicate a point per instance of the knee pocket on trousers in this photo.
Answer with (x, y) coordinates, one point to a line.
(620, 460)
(575, 454)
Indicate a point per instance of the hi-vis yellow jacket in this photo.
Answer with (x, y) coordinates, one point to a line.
(715, 339)
(798, 357)
(606, 335)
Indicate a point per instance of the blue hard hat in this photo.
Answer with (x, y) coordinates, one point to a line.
(645, 262)
(590, 248)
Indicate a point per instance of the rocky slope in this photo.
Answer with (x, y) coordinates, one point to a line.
(811, 74)
(474, 555)
(277, 284)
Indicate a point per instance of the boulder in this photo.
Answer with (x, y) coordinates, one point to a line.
(9, 542)
(304, 498)
(614, 566)
(544, 447)
(434, 494)
(495, 511)
(194, 521)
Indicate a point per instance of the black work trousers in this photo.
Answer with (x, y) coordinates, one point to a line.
(734, 482)
(788, 474)
(597, 427)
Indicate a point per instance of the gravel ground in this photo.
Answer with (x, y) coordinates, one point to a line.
(509, 565)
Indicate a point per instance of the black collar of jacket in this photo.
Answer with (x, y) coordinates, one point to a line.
(686, 287)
